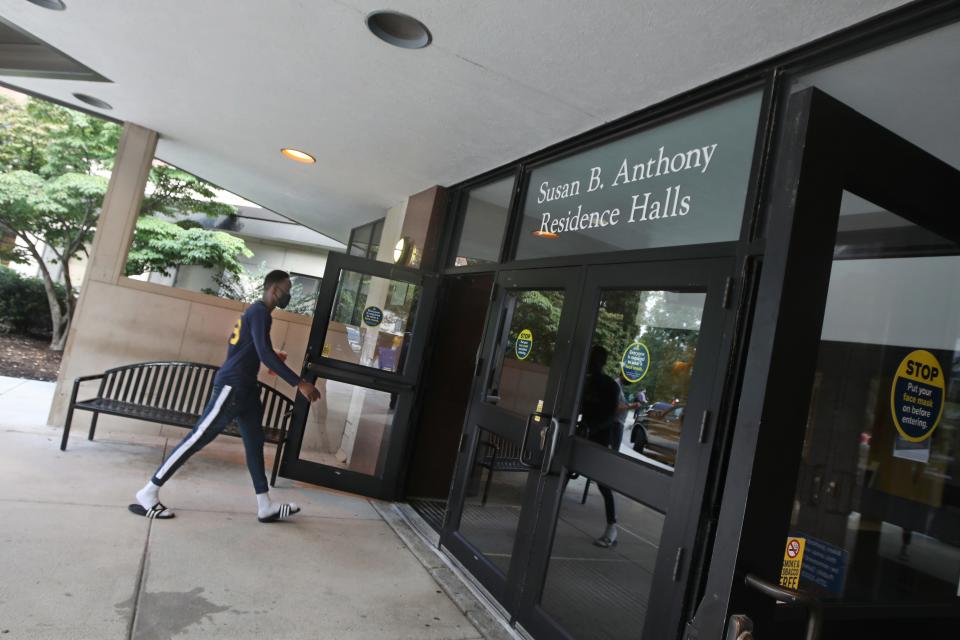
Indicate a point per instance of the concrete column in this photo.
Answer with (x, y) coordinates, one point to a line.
(121, 205)
(108, 255)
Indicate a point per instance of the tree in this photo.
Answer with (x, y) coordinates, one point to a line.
(51, 186)
(59, 213)
(159, 245)
(173, 192)
(54, 164)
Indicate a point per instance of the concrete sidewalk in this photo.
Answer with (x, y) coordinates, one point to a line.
(74, 563)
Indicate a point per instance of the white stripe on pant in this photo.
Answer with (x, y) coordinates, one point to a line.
(207, 420)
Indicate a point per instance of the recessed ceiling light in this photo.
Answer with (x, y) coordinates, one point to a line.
(299, 156)
(56, 5)
(93, 102)
(545, 234)
(399, 29)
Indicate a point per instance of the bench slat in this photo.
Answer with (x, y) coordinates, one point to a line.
(142, 391)
(176, 393)
(188, 376)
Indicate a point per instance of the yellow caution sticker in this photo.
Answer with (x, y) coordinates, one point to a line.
(524, 344)
(792, 563)
(916, 395)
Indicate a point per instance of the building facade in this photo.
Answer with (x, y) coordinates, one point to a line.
(769, 264)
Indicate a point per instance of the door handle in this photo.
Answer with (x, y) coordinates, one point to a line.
(793, 598)
(548, 455)
(526, 438)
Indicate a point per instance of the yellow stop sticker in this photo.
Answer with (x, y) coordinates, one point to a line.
(916, 395)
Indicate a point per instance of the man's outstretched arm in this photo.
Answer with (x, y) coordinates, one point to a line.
(264, 347)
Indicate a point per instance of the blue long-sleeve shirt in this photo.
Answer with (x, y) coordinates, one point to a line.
(249, 345)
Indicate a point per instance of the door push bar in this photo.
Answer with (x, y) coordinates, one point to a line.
(549, 432)
(539, 417)
(794, 598)
(548, 457)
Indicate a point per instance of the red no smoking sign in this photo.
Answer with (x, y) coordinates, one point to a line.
(793, 549)
(792, 562)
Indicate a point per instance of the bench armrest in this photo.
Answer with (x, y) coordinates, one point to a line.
(88, 378)
(78, 381)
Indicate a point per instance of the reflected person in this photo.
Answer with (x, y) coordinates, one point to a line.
(603, 410)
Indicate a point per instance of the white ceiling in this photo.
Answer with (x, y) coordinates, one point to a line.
(227, 83)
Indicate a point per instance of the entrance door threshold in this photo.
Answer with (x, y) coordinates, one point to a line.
(486, 614)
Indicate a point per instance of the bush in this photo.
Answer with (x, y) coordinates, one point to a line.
(23, 304)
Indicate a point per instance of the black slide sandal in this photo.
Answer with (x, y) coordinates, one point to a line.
(156, 512)
(284, 512)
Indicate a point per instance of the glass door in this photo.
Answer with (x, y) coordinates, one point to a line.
(842, 480)
(621, 508)
(365, 350)
(582, 468)
(510, 425)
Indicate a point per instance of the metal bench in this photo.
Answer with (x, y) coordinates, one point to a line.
(499, 455)
(172, 393)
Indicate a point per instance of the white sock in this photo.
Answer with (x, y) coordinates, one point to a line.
(611, 532)
(267, 507)
(149, 495)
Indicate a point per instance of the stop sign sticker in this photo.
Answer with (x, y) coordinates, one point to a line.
(916, 395)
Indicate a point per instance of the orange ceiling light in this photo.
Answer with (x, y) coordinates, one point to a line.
(299, 156)
(546, 234)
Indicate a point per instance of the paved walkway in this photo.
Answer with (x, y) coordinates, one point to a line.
(76, 564)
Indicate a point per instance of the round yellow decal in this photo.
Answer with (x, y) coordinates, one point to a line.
(916, 396)
(524, 344)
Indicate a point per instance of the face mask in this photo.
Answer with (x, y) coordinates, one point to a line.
(283, 300)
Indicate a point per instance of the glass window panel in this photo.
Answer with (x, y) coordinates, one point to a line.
(375, 236)
(601, 592)
(371, 321)
(684, 182)
(528, 340)
(349, 427)
(878, 494)
(303, 293)
(360, 241)
(494, 497)
(484, 223)
(634, 399)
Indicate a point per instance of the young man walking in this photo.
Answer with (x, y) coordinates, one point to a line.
(235, 397)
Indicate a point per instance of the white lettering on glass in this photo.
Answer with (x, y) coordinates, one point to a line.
(646, 206)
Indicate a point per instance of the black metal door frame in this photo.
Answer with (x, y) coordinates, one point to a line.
(507, 424)
(681, 496)
(385, 484)
(826, 148)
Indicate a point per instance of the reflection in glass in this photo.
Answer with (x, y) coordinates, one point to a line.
(519, 381)
(303, 293)
(360, 241)
(651, 341)
(349, 427)
(491, 511)
(880, 513)
(484, 223)
(371, 321)
(601, 592)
